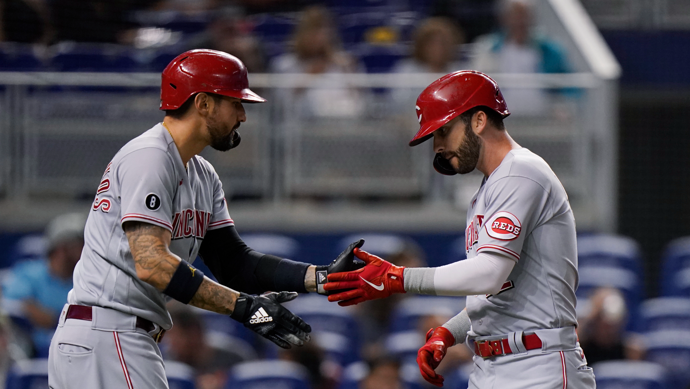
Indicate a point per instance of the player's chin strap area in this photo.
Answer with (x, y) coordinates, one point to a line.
(236, 139)
(443, 166)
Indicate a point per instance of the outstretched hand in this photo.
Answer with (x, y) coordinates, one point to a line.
(265, 315)
(346, 261)
(377, 279)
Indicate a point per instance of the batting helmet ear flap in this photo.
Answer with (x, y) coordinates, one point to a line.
(443, 166)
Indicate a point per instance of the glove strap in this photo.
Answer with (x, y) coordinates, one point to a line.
(321, 279)
(395, 279)
(242, 305)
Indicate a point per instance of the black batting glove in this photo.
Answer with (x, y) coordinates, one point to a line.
(346, 261)
(264, 315)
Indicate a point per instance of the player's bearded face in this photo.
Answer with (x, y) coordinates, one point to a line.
(467, 154)
(223, 137)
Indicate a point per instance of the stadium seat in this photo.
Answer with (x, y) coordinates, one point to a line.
(16, 57)
(609, 250)
(353, 374)
(456, 251)
(382, 245)
(161, 58)
(180, 375)
(353, 27)
(334, 327)
(407, 313)
(185, 23)
(29, 373)
(273, 28)
(404, 345)
(270, 374)
(226, 325)
(30, 246)
(324, 315)
(675, 261)
(671, 349)
(625, 280)
(460, 378)
(666, 313)
(274, 244)
(630, 375)
(380, 58)
(681, 283)
(83, 57)
(339, 348)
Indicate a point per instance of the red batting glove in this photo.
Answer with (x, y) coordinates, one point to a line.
(376, 280)
(431, 354)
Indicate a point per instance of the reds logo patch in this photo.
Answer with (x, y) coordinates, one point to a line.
(504, 226)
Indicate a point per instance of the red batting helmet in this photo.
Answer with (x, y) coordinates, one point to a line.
(453, 94)
(205, 70)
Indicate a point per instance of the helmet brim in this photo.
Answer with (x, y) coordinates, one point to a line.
(246, 95)
(249, 96)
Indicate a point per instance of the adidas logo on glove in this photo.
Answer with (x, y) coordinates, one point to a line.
(260, 316)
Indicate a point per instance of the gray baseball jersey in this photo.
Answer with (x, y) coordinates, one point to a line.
(147, 182)
(522, 211)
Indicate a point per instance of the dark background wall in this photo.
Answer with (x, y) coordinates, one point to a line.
(654, 129)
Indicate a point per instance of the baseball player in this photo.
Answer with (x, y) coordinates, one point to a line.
(521, 273)
(158, 205)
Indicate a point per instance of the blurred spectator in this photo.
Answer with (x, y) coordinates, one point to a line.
(323, 374)
(36, 290)
(100, 21)
(435, 50)
(24, 21)
(518, 49)
(477, 17)
(602, 329)
(5, 359)
(189, 342)
(316, 50)
(228, 32)
(384, 373)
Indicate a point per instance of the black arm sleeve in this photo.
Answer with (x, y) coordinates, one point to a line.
(237, 266)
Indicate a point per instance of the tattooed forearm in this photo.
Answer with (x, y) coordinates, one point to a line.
(215, 297)
(155, 264)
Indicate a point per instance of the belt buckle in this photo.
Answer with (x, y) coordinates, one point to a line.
(159, 336)
(490, 348)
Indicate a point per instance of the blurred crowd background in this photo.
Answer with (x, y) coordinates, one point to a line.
(599, 88)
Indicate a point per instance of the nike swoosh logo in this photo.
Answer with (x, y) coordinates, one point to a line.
(377, 287)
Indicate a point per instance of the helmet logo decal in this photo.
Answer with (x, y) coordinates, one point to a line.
(419, 118)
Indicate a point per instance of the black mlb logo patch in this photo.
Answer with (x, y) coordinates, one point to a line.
(153, 202)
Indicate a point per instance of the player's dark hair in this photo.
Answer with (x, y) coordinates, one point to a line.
(494, 117)
(187, 105)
